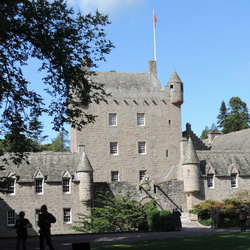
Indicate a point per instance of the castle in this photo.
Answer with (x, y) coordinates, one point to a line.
(136, 145)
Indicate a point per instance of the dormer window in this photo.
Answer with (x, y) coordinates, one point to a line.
(39, 182)
(233, 176)
(234, 180)
(11, 188)
(66, 186)
(39, 186)
(66, 183)
(210, 180)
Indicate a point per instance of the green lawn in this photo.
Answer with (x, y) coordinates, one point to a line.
(236, 241)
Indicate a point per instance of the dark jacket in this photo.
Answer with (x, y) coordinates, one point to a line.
(45, 220)
(21, 227)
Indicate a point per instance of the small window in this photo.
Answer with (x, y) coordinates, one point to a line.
(39, 186)
(113, 148)
(11, 218)
(169, 122)
(66, 185)
(11, 186)
(66, 215)
(141, 119)
(114, 176)
(112, 120)
(171, 87)
(210, 180)
(166, 153)
(37, 213)
(142, 147)
(234, 180)
(142, 173)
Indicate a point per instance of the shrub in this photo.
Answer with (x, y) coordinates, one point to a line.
(115, 214)
(160, 221)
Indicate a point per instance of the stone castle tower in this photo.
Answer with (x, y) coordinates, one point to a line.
(138, 128)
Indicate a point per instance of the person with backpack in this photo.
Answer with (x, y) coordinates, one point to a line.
(21, 226)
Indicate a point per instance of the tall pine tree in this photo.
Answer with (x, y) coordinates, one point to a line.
(235, 117)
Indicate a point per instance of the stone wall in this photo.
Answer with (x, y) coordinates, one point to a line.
(162, 133)
(26, 200)
(168, 195)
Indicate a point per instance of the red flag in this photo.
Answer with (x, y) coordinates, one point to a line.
(154, 18)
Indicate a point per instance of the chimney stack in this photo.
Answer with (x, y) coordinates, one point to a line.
(152, 66)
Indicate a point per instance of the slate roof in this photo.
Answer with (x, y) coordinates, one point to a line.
(239, 140)
(223, 161)
(227, 151)
(129, 84)
(190, 154)
(51, 164)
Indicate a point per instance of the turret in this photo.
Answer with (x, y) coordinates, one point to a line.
(176, 89)
(191, 169)
(85, 176)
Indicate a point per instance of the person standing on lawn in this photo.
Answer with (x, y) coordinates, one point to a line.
(243, 219)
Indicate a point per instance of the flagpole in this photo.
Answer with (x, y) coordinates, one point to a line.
(154, 31)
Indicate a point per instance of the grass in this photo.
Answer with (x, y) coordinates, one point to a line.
(236, 241)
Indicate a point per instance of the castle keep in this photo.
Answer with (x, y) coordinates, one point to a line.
(136, 145)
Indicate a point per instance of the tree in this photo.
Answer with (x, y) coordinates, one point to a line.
(235, 117)
(116, 214)
(67, 45)
(59, 144)
(204, 134)
(222, 116)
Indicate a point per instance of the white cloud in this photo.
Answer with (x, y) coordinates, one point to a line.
(103, 6)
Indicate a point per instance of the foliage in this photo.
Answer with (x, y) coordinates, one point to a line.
(59, 144)
(116, 214)
(160, 220)
(67, 45)
(223, 114)
(204, 134)
(228, 209)
(235, 117)
(203, 209)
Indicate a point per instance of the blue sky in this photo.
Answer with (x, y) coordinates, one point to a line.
(206, 42)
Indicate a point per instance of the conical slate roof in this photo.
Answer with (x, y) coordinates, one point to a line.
(84, 165)
(174, 78)
(190, 154)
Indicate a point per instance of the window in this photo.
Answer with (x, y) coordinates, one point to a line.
(67, 215)
(66, 185)
(11, 218)
(39, 186)
(113, 148)
(142, 147)
(112, 120)
(234, 180)
(166, 153)
(210, 180)
(37, 213)
(142, 173)
(11, 186)
(141, 119)
(114, 176)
